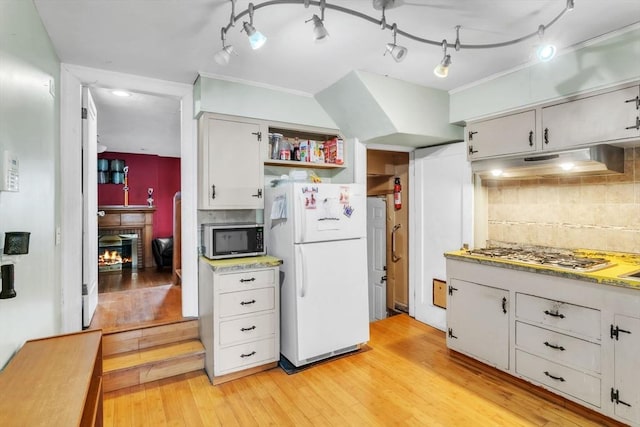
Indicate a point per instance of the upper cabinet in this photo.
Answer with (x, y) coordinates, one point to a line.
(231, 152)
(607, 117)
(510, 134)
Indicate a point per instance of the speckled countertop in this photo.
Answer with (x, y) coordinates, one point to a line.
(237, 264)
(622, 264)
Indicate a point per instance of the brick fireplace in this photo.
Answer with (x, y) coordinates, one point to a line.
(129, 221)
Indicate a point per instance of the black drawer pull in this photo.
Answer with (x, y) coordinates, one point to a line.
(530, 138)
(554, 314)
(546, 135)
(504, 305)
(252, 328)
(248, 354)
(247, 280)
(554, 378)
(248, 302)
(555, 347)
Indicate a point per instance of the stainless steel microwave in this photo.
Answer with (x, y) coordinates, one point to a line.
(222, 241)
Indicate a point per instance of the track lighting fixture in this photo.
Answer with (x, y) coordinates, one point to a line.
(442, 69)
(545, 51)
(256, 38)
(223, 56)
(397, 52)
(320, 33)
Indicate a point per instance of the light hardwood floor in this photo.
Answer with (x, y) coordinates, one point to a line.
(407, 378)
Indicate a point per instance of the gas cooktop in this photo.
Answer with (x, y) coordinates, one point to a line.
(564, 260)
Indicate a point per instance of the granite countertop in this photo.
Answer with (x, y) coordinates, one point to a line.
(621, 264)
(237, 264)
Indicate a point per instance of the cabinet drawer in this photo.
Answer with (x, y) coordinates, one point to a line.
(566, 380)
(245, 302)
(246, 280)
(561, 315)
(247, 329)
(559, 347)
(245, 356)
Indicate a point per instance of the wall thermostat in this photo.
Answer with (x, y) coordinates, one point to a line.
(9, 172)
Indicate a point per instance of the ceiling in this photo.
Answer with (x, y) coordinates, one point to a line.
(175, 40)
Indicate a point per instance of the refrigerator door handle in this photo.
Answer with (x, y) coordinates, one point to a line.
(303, 270)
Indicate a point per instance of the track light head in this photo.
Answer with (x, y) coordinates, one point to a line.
(256, 38)
(442, 69)
(545, 51)
(223, 56)
(397, 52)
(320, 33)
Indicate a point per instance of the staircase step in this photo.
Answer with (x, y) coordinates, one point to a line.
(150, 364)
(141, 338)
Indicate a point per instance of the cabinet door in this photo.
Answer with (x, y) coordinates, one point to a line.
(231, 160)
(626, 390)
(478, 322)
(609, 116)
(503, 135)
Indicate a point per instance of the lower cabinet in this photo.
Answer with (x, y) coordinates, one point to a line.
(239, 320)
(575, 338)
(625, 392)
(487, 337)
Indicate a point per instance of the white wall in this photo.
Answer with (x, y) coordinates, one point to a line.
(29, 125)
(602, 63)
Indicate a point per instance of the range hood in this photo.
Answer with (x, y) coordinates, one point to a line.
(597, 160)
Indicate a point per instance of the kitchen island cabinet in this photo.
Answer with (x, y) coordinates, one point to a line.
(239, 316)
(486, 338)
(231, 152)
(576, 337)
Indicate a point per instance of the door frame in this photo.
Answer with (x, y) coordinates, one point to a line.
(72, 77)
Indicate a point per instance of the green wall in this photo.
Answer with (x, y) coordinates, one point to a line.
(29, 128)
(603, 63)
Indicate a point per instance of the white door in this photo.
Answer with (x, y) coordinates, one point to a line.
(90, 208)
(444, 203)
(331, 296)
(377, 257)
(326, 212)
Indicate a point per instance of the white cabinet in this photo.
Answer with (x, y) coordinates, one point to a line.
(606, 117)
(625, 392)
(505, 135)
(231, 152)
(239, 320)
(486, 337)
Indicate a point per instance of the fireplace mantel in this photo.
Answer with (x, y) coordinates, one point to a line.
(117, 218)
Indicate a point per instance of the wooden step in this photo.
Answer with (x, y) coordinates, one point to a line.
(150, 364)
(141, 338)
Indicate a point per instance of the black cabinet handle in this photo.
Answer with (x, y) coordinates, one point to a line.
(471, 133)
(258, 194)
(450, 332)
(247, 280)
(248, 302)
(451, 289)
(554, 378)
(636, 126)
(471, 150)
(546, 135)
(616, 331)
(258, 135)
(555, 347)
(554, 314)
(213, 191)
(248, 354)
(504, 305)
(615, 397)
(530, 138)
(251, 328)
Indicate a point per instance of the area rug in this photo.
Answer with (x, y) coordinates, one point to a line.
(291, 369)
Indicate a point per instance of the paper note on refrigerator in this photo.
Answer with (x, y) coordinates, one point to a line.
(279, 207)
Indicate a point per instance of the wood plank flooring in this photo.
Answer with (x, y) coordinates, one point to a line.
(407, 378)
(133, 279)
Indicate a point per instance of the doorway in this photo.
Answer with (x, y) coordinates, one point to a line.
(388, 179)
(72, 78)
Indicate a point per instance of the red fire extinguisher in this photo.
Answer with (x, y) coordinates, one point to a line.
(397, 194)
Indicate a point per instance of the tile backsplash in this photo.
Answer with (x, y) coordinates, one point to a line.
(593, 212)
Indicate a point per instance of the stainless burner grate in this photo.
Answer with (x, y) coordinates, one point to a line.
(554, 259)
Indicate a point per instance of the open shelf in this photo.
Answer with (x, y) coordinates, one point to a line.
(308, 165)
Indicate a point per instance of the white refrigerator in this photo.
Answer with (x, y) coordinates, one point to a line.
(319, 231)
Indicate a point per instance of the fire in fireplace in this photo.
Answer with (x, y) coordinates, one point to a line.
(117, 251)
